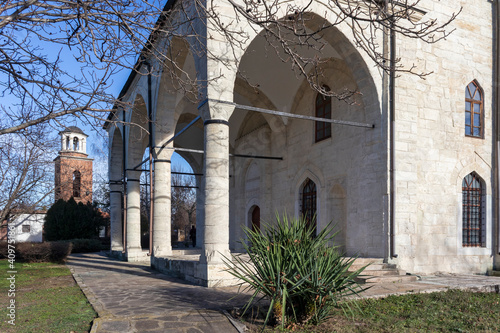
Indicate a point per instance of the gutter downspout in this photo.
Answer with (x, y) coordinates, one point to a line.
(124, 165)
(392, 168)
(496, 108)
(151, 146)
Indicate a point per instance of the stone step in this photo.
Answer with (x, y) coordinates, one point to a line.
(494, 273)
(385, 272)
(366, 261)
(364, 279)
(372, 267)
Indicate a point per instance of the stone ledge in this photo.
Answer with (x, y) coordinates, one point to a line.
(193, 271)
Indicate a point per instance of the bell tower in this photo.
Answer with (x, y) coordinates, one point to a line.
(73, 168)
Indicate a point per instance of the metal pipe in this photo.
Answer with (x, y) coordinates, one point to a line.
(198, 151)
(392, 167)
(291, 115)
(150, 158)
(496, 160)
(124, 164)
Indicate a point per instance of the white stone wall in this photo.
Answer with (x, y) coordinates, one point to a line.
(432, 152)
(349, 169)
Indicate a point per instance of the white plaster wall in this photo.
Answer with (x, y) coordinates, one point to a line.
(35, 221)
(432, 152)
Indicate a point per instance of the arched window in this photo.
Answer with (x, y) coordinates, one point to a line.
(473, 218)
(473, 110)
(309, 203)
(67, 143)
(77, 182)
(256, 218)
(76, 145)
(323, 110)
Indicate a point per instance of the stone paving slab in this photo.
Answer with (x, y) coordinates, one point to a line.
(131, 297)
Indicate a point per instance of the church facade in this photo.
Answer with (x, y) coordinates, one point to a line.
(407, 170)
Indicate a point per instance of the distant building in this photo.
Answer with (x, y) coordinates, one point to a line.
(73, 178)
(73, 173)
(28, 227)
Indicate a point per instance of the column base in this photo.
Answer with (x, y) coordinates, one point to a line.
(135, 255)
(214, 275)
(162, 252)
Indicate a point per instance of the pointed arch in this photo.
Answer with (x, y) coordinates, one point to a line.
(473, 211)
(308, 204)
(474, 110)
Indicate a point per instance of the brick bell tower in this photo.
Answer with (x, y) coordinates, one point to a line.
(73, 168)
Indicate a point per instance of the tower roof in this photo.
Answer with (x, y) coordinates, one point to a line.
(72, 129)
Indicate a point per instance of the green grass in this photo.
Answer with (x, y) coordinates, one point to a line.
(47, 300)
(450, 311)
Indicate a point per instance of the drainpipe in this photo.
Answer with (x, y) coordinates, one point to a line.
(497, 122)
(392, 168)
(124, 165)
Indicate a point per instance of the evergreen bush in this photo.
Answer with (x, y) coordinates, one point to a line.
(70, 220)
(43, 252)
(299, 273)
(85, 245)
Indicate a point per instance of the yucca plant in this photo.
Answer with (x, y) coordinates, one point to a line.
(301, 275)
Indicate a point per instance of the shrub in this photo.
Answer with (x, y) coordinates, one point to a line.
(43, 252)
(301, 275)
(70, 220)
(85, 245)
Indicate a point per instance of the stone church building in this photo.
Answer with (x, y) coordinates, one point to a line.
(408, 171)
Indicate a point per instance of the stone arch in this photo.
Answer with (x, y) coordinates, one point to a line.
(315, 175)
(115, 172)
(474, 165)
(76, 144)
(470, 165)
(337, 45)
(115, 164)
(137, 132)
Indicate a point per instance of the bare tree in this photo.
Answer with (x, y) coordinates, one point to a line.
(60, 56)
(183, 200)
(26, 177)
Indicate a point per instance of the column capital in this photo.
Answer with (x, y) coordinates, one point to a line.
(215, 110)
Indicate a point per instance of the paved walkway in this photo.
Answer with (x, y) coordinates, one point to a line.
(131, 297)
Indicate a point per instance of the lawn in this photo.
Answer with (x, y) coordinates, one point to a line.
(451, 311)
(47, 299)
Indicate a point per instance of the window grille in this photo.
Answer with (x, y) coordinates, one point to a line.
(473, 229)
(309, 203)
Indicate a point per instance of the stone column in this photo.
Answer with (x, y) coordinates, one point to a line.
(134, 250)
(162, 245)
(115, 212)
(216, 192)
